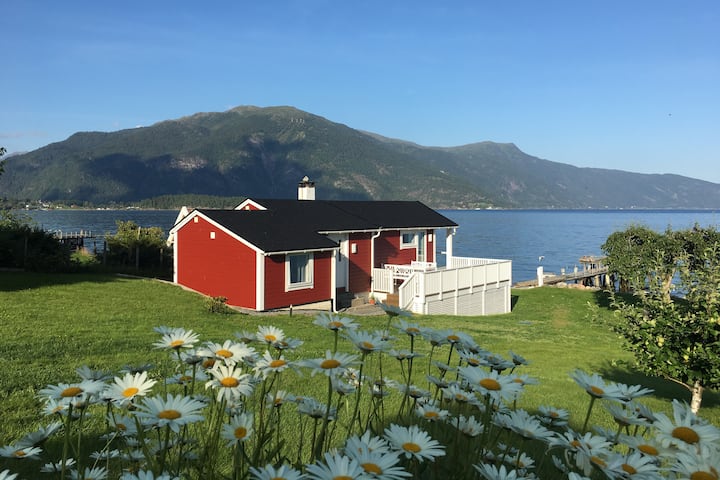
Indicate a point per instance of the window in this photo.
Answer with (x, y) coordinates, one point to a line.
(408, 240)
(298, 271)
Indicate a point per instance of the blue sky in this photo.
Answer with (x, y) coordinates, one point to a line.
(630, 85)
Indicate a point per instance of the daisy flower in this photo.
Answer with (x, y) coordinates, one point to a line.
(332, 364)
(648, 446)
(403, 354)
(67, 392)
(124, 426)
(410, 329)
(472, 359)
(518, 359)
(413, 442)
(246, 336)
(334, 322)
(268, 365)
(633, 466)
(38, 437)
(595, 386)
(6, 475)
(314, 409)
(455, 337)
(277, 399)
(147, 475)
(187, 378)
(269, 334)
(686, 431)
(583, 448)
(335, 466)
(413, 391)
(628, 393)
(341, 387)
(469, 426)
(287, 344)
(393, 311)
(625, 414)
(86, 373)
(431, 412)
(20, 452)
(498, 363)
(498, 387)
(229, 352)
(697, 465)
(177, 338)
(366, 443)
(229, 381)
(283, 472)
(493, 472)
(94, 473)
(125, 389)
(238, 430)
(553, 417)
(56, 467)
(173, 411)
(380, 465)
(366, 342)
(526, 425)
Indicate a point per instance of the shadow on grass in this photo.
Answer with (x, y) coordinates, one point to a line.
(663, 388)
(12, 281)
(513, 301)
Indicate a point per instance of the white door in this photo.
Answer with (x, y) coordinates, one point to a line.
(341, 262)
(421, 247)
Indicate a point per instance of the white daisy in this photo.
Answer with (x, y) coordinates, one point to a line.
(6, 475)
(501, 388)
(332, 364)
(283, 472)
(125, 389)
(366, 342)
(526, 425)
(229, 352)
(39, 436)
(410, 329)
(335, 466)
(413, 442)
(595, 386)
(686, 431)
(177, 338)
(20, 452)
(239, 429)
(493, 472)
(172, 411)
(229, 381)
(94, 473)
(147, 475)
(269, 334)
(431, 412)
(267, 365)
(379, 465)
(469, 426)
(367, 442)
(334, 322)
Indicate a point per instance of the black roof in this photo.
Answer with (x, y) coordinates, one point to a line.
(294, 225)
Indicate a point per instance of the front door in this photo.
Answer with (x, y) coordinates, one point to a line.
(341, 262)
(421, 247)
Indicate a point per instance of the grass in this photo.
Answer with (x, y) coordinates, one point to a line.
(53, 324)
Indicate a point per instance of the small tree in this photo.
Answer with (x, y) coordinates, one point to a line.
(677, 337)
(135, 245)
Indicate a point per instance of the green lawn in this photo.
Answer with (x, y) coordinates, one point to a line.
(53, 324)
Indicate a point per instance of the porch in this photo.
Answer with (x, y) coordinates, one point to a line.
(466, 286)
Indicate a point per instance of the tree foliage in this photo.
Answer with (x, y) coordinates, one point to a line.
(2, 164)
(672, 322)
(139, 246)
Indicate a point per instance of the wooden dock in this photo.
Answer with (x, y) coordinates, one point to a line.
(594, 273)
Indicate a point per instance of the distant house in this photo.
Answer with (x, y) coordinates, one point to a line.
(269, 254)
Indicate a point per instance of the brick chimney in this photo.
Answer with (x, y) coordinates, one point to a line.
(306, 189)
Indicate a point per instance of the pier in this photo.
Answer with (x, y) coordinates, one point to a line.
(593, 273)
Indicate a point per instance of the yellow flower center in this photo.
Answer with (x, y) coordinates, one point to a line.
(367, 346)
(411, 447)
(278, 363)
(129, 392)
(177, 343)
(372, 468)
(460, 397)
(412, 330)
(208, 363)
(19, 453)
(576, 444)
(702, 476)
(629, 469)
(342, 477)
(240, 433)
(71, 392)
(686, 434)
(224, 353)
(185, 378)
(229, 382)
(453, 338)
(597, 391)
(169, 414)
(431, 415)
(473, 362)
(554, 414)
(335, 325)
(598, 461)
(329, 364)
(121, 426)
(270, 338)
(648, 450)
(278, 478)
(490, 384)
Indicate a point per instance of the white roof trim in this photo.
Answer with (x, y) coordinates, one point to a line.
(250, 203)
(197, 213)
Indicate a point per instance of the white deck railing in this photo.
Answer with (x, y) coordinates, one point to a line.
(464, 273)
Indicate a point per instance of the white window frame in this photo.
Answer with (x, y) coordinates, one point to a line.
(413, 244)
(309, 268)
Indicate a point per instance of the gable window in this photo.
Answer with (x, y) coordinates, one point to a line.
(298, 271)
(408, 239)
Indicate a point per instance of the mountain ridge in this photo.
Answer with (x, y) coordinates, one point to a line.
(265, 151)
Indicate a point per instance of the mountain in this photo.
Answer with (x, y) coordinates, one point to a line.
(264, 152)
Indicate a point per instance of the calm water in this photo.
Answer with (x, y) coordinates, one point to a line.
(523, 236)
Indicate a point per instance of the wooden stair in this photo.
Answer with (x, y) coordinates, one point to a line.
(393, 299)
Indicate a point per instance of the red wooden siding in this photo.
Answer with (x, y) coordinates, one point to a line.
(277, 297)
(217, 267)
(387, 250)
(430, 246)
(359, 271)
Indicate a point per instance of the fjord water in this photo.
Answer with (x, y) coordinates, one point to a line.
(553, 238)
